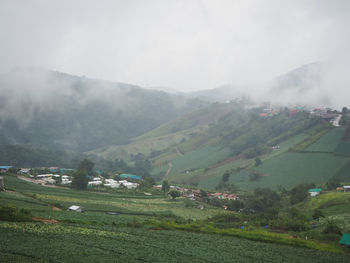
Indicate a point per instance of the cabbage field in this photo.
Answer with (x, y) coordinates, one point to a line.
(37, 242)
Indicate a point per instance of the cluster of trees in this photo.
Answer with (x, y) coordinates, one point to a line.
(265, 207)
(225, 185)
(142, 165)
(82, 174)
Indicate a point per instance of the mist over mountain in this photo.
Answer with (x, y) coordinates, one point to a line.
(60, 111)
(318, 84)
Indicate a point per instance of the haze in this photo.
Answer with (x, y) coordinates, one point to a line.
(178, 45)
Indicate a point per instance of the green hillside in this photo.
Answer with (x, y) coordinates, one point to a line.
(55, 111)
(307, 152)
(170, 134)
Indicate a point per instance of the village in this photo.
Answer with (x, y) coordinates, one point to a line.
(56, 176)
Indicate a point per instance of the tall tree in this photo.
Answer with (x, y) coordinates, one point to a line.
(86, 165)
(165, 186)
(80, 180)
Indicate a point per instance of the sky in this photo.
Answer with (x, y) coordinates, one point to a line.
(182, 45)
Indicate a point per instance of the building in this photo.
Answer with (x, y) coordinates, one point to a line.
(314, 191)
(4, 169)
(44, 176)
(75, 208)
(130, 176)
(345, 240)
(346, 188)
(24, 171)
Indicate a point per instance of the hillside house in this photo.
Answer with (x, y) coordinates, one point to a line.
(345, 240)
(314, 192)
(346, 188)
(65, 179)
(4, 169)
(24, 171)
(41, 176)
(75, 208)
(54, 169)
(130, 176)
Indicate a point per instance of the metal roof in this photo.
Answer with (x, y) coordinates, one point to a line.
(345, 239)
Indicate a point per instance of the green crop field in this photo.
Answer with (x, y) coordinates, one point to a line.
(289, 169)
(344, 173)
(37, 242)
(343, 148)
(328, 142)
(201, 158)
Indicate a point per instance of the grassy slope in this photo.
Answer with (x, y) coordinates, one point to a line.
(288, 169)
(169, 134)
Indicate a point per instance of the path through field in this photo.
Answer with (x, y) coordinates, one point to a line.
(170, 164)
(178, 151)
(336, 121)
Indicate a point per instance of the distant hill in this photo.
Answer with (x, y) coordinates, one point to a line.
(60, 111)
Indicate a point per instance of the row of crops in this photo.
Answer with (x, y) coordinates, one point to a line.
(36, 242)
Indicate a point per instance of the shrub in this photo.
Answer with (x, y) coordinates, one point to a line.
(332, 228)
(11, 213)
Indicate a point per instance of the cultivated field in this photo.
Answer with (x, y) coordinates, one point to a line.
(328, 142)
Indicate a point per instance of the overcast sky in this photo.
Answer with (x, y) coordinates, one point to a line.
(184, 45)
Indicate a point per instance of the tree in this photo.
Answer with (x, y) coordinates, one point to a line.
(86, 165)
(80, 180)
(147, 182)
(333, 183)
(174, 194)
(258, 161)
(317, 214)
(165, 186)
(299, 193)
(226, 176)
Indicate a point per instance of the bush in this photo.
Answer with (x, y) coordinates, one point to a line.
(332, 228)
(11, 213)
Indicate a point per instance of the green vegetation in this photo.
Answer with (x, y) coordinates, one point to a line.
(138, 227)
(328, 142)
(46, 243)
(289, 169)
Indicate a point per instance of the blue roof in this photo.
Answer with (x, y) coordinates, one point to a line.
(5, 167)
(315, 190)
(131, 176)
(345, 239)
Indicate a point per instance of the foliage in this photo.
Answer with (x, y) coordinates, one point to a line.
(332, 228)
(317, 214)
(262, 199)
(333, 183)
(86, 165)
(293, 220)
(174, 194)
(300, 193)
(165, 186)
(80, 180)
(258, 161)
(11, 213)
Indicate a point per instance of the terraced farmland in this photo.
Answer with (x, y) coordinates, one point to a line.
(289, 169)
(328, 142)
(60, 243)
